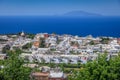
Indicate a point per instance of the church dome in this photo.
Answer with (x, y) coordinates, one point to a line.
(22, 34)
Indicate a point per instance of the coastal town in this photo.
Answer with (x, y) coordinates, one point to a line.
(45, 52)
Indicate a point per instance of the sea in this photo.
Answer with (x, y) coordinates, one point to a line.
(81, 26)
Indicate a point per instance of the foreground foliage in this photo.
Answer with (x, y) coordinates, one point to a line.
(13, 68)
(101, 69)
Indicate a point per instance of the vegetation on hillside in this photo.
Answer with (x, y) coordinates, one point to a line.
(42, 43)
(13, 68)
(31, 36)
(5, 48)
(105, 40)
(27, 46)
(101, 69)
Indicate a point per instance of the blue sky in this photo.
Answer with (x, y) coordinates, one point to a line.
(58, 7)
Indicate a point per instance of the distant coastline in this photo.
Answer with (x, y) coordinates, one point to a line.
(82, 14)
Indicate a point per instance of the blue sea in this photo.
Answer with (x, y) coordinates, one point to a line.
(82, 26)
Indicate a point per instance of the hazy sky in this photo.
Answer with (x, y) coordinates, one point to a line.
(58, 7)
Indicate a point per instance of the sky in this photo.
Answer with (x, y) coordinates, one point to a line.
(59, 7)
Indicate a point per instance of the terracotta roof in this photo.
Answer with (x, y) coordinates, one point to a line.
(40, 74)
(36, 44)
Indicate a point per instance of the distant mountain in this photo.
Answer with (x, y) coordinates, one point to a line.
(80, 13)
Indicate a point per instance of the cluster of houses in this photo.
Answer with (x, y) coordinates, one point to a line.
(3, 42)
(69, 49)
(52, 48)
(61, 48)
(57, 58)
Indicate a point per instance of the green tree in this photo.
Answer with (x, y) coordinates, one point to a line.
(101, 69)
(31, 36)
(27, 46)
(105, 40)
(13, 68)
(5, 48)
(42, 43)
(91, 43)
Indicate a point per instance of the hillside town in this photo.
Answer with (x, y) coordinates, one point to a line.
(57, 49)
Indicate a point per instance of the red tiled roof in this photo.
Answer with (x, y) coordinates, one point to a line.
(40, 74)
